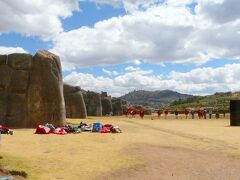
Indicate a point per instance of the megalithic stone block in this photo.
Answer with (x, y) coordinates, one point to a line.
(107, 107)
(93, 103)
(31, 90)
(74, 102)
(45, 93)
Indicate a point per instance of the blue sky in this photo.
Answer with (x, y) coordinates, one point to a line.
(122, 45)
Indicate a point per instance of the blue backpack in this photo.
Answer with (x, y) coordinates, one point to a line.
(97, 127)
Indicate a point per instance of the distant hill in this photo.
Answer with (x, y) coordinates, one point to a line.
(154, 98)
(220, 101)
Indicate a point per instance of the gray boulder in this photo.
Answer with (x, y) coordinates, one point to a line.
(93, 103)
(31, 90)
(106, 101)
(74, 102)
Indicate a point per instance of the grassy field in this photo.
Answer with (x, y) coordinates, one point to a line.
(91, 155)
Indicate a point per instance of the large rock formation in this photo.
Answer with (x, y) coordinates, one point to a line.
(106, 101)
(74, 102)
(31, 90)
(93, 103)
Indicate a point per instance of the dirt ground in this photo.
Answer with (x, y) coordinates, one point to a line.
(147, 149)
(179, 164)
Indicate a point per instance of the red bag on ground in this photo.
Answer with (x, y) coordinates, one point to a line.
(60, 131)
(105, 130)
(4, 128)
(42, 130)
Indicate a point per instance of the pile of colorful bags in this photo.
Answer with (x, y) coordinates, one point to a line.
(49, 128)
(99, 127)
(83, 127)
(5, 130)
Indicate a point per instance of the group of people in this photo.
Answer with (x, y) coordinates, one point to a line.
(201, 113)
(131, 112)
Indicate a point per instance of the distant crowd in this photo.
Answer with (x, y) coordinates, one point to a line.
(200, 113)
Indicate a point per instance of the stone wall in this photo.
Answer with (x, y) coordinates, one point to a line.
(31, 90)
(107, 106)
(74, 102)
(106, 101)
(93, 103)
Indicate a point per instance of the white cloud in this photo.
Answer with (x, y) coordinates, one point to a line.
(35, 18)
(220, 11)
(142, 35)
(136, 62)
(161, 33)
(131, 68)
(10, 50)
(110, 73)
(199, 81)
(152, 31)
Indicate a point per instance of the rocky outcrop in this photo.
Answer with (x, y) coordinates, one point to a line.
(93, 103)
(106, 101)
(74, 102)
(31, 90)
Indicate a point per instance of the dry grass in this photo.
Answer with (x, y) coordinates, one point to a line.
(88, 155)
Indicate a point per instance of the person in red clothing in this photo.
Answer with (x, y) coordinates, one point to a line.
(130, 112)
(186, 112)
(165, 112)
(200, 113)
(133, 112)
(141, 113)
(159, 113)
(176, 113)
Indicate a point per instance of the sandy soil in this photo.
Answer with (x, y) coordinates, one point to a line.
(179, 164)
(147, 149)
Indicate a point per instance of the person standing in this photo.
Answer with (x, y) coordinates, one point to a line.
(159, 113)
(129, 112)
(210, 113)
(199, 112)
(186, 112)
(134, 112)
(141, 113)
(224, 114)
(192, 113)
(166, 113)
(205, 113)
(176, 113)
